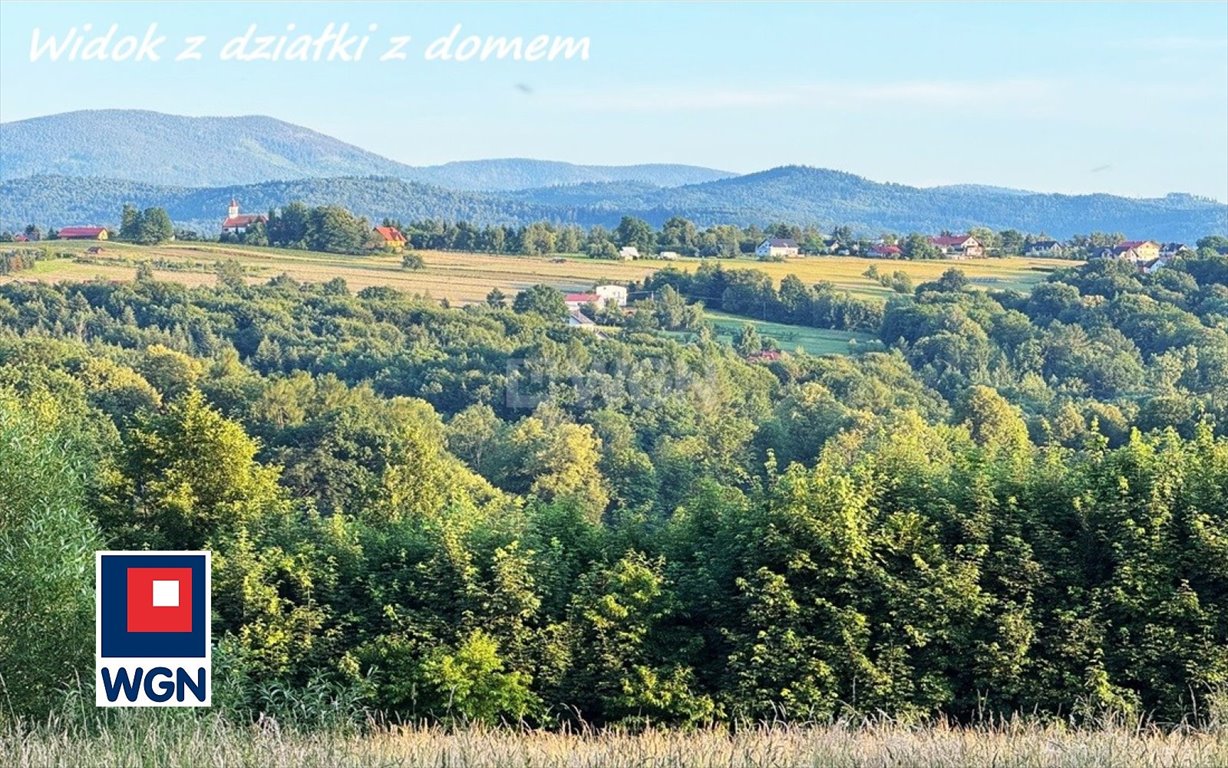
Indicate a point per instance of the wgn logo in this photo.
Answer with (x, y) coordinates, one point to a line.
(152, 632)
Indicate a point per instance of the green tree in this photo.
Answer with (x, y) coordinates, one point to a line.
(538, 239)
(130, 223)
(543, 300)
(748, 341)
(636, 233)
(47, 544)
(188, 477)
(153, 227)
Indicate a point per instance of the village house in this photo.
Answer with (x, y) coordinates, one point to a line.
(577, 319)
(1169, 250)
(628, 253)
(612, 295)
(764, 356)
(237, 223)
(886, 251)
(1150, 267)
(83, 233)
(1136, 250)
(776, 247)
(958, 246)
(668, 255)
(576, 301)
(834, 247)
(1043, 249)
(388, 238)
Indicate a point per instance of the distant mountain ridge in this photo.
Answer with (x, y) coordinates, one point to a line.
(79, 167)
(792, 194)
(156, 148)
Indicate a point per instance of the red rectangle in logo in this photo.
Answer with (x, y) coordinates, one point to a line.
(159, 599)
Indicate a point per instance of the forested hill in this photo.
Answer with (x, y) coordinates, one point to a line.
(796, 195)
(156, 148)
(56, 200)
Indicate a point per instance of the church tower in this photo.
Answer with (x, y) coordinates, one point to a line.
(234, 209)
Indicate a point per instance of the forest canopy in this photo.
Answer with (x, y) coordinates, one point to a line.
(1018, 503)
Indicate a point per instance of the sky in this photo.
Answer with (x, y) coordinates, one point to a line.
(1130, 99)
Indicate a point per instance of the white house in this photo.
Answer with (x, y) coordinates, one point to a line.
(612, 295)
(958, 246)
(668, 255)
(774, 247)
(628, 253)
(1150, 267)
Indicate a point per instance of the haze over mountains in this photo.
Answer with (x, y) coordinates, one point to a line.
(155, 148)
(81, 167)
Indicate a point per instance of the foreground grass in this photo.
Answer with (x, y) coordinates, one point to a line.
(152, 739)
(468, 277)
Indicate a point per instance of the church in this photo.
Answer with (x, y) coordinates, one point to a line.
(237, 223)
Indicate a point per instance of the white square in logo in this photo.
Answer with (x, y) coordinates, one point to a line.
(165, 594)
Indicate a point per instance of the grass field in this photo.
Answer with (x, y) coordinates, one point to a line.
(168, 739)
(814, 341)
(468, 277)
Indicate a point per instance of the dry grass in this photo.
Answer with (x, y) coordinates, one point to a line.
(156, 739)
(468, 277)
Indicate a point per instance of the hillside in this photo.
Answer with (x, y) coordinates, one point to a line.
(53, 201)
(794, 194)
(156, 148)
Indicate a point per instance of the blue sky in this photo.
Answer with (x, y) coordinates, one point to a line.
(1130, 99)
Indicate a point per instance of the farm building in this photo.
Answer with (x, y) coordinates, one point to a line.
(389, 238)
(628, 253)
(83, 233)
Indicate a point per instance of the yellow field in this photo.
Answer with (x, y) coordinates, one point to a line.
(468, 277)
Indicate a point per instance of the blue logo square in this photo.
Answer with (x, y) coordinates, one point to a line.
(113, 606)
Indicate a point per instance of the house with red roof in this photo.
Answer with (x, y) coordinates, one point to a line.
(958, 246)
(389, 238)
(576, 301)
(237, 223)
(886, 251)
(83, 233)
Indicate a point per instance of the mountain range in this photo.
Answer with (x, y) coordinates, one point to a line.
(81, 167)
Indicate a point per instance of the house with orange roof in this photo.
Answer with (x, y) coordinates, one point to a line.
(389, 238)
